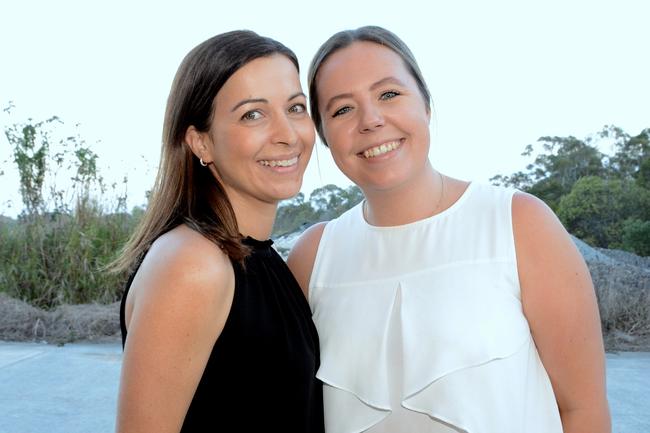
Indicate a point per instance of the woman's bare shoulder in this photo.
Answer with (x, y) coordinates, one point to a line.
(186, 254)
(177, 307)
(183, 268)
(303, 254)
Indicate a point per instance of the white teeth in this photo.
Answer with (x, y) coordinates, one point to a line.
(381, 149)
(280, 163)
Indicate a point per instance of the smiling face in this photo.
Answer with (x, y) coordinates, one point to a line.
(261, 136)
(374, 117)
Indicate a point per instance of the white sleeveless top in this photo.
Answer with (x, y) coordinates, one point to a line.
(421, 325)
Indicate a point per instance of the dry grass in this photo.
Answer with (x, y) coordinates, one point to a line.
(66, 323)
(622, 283)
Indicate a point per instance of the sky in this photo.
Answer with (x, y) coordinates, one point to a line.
(501, 73)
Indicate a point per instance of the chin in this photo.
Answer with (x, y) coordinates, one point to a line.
(383, 184)
(284, 193)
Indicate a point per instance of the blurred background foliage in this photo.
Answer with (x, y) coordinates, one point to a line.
(72, 224)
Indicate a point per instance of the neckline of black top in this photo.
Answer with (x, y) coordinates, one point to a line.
(256, 243)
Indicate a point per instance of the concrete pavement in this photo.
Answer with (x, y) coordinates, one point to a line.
(73, 388)
(628, 391)
(51, 389)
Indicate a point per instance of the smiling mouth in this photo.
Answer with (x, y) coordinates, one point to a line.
(279, 162)
(381, 149)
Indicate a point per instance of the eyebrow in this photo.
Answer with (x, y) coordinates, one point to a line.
(376, 84)
(262, 100)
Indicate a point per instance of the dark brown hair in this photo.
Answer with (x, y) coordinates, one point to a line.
(185, 192)
(345, 38)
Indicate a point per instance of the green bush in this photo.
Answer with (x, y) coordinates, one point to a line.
(636, 236)
(54, 253)
(57, 259)
(596, 209)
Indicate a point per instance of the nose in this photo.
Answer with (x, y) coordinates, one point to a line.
(371, 118)
(284, 131)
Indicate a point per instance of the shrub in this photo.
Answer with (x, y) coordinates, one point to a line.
(636, 236)
(54, 259)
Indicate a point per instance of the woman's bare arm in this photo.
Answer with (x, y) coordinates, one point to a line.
(303, 254)
(560, 305)
(176, 309)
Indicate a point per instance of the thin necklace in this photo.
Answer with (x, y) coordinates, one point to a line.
(435, 209)
(442, 193)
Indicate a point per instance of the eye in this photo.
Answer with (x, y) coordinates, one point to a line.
(252, 115)
(341, 111)
(297, 109)
(388, 95)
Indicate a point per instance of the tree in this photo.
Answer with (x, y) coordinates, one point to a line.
(292, 214)
(643, 174)
(553, 173)
(596, 209)
(631, 152)
(636, 236)
(324, 204)
(30, 147)
(331, 201)
(46, 158)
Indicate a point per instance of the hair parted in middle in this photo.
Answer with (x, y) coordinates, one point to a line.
(345, 38)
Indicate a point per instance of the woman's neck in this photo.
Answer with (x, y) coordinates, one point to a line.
(254, 218)
(421, 197)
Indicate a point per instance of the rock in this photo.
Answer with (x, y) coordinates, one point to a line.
(622, 284)
(284, 243)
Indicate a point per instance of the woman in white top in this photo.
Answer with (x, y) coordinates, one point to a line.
(442, 306)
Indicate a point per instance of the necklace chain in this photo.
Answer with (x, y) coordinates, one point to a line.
(435, 209)
(442, 193)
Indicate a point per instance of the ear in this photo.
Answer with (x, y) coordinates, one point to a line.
(427, 107)
(429, 114)
(198, 143)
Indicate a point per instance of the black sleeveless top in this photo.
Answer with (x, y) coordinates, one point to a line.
(261, 374)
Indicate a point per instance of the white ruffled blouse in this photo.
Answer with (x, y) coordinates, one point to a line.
(421, 326)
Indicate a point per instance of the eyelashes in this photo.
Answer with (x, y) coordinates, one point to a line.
(253, 115)
(389, 95)
(341, 110)
(384, 96)
(298, 108)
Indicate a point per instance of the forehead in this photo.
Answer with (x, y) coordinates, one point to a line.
(267, 77)
(359, 65)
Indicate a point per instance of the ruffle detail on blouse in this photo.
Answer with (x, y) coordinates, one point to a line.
(471, 329)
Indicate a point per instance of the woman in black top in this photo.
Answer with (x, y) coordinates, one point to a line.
(220, 336)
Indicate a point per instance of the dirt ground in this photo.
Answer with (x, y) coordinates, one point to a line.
(20, 321)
